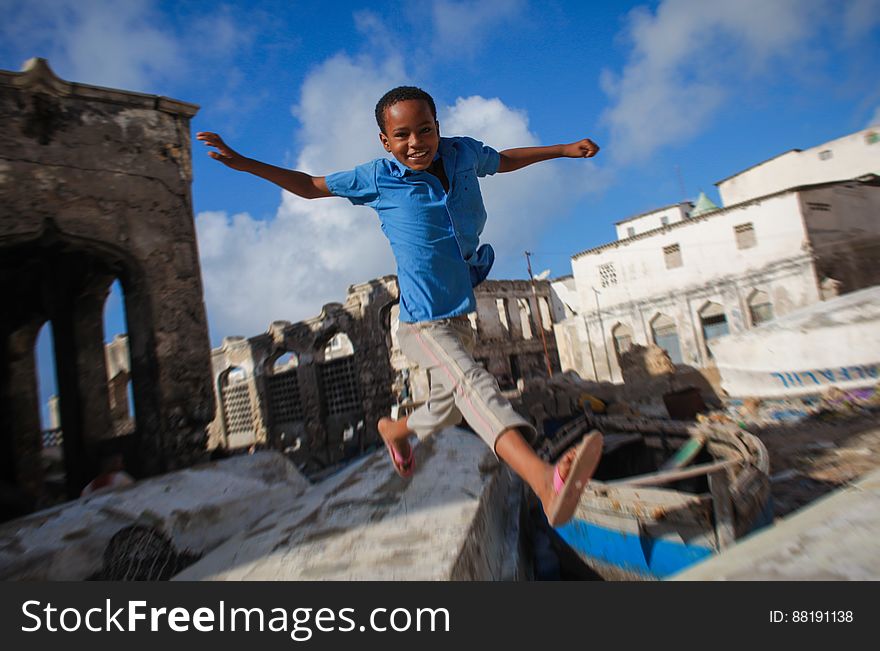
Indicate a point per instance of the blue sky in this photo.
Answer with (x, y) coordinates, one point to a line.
(709, 86)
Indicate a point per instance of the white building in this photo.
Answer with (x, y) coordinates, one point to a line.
(681, 275)
(843, 159)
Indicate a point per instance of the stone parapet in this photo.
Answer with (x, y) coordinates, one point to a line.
(457, 518)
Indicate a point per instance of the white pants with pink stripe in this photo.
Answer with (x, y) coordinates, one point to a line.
(460, 388)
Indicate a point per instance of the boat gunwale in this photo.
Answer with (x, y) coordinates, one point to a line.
(745, 466)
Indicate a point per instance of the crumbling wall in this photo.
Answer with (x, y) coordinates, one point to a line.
(509, 353)
(94, 187)
(323, 407)
(328, 424)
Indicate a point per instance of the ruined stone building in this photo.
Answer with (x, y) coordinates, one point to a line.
(508, 324)
(682, 275)
(95, 188)
(316, 388)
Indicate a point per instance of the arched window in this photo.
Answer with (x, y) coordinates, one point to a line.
(760, 308)
(665, 335)
(50, 415)
(339, 346)
(116, 355)
(235, 376)
(713, 323)
(338, 377)
(282, 385)
(235, 393)
(284, 362)
(623, 339)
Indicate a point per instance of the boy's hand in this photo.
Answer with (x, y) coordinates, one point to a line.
(585, 148)
(225, 154)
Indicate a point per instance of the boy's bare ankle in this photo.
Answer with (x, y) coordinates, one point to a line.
(548, 493)
(393, 430)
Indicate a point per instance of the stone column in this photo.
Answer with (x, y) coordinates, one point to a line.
(92, 367)
(82, 383)
(144, 380)
(20, 421)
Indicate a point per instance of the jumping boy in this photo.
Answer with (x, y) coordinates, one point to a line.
(430, 208)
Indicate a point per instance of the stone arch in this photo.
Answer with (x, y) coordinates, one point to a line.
(76, 219)
(57, 278)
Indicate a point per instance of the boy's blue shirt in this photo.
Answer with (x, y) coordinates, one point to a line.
(434, 234)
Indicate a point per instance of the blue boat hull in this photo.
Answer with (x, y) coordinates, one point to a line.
(639, 556)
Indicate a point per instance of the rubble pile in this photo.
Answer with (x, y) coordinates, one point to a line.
(815, 444)
(832, 404)
(652, 387)
(561, 397)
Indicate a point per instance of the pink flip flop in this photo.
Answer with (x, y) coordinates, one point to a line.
(403, 467)
(568, 490)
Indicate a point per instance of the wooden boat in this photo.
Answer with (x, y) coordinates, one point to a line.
(665, 495)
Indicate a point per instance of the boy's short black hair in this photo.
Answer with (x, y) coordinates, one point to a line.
(401, 94)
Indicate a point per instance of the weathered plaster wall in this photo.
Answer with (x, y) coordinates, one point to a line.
(843, 224)
(95, 186)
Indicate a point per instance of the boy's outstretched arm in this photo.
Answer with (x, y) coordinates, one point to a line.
(514, 159)
(300, 183)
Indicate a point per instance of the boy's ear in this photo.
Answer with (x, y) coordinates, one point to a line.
(384, 140)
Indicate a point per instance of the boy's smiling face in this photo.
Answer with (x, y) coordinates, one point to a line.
(412, 134)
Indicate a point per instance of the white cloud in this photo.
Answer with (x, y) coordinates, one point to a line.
(337, 108)
(875, 119)
(461, 26)
(256, 272)
(126, 44)
(98, 42)
(688, 58)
